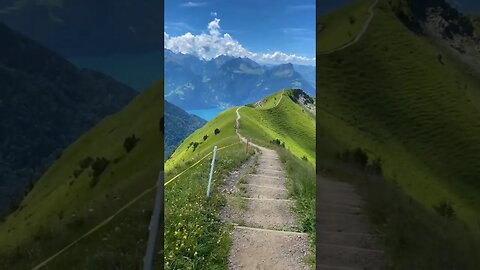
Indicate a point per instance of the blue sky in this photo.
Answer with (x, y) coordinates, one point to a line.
(265, 30)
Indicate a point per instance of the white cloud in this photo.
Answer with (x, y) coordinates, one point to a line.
(213, 14)
(212, 44)
(193, 4)
(214, 27)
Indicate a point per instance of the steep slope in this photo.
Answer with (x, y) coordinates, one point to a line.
(204, 241)
(178, 125)
(87, 28)
(416, 108)
(45, 104)
(104, 170)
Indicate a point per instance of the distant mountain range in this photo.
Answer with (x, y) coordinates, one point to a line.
(192, 83)
(178, 125)
(88, 27)
(46, 103)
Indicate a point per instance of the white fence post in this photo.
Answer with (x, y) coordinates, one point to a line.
(211, 171)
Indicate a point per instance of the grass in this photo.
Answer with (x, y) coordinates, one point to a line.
(389, 94)
(301, 187)
(342, 26)
(62, 207)
(195, 237)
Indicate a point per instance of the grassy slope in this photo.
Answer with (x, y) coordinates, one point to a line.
(203, 242)
(285, 121)
(61, 207)
(390, 95)
(337, 27)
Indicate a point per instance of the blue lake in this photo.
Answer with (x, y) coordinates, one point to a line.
(207, 114)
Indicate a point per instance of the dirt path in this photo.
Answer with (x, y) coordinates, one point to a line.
(345, 240)
(266, 235)
(360, 34)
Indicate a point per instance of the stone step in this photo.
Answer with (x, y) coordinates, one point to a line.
(337, 208)
(266, 191)
(360, 240)
(342, 223)
(350, 257)
(266, 181)
(278, 250)
(270, 214)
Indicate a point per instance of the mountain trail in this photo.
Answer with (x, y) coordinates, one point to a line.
(360, 34)
(344, 237)
(268, 237)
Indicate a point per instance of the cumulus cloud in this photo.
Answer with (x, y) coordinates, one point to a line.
(213, 44)
(213, 14)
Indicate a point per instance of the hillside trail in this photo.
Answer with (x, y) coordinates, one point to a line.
(267, 237)
(360, 34)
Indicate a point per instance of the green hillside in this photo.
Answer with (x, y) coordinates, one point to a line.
(342, 26)
(280, 118)
(101, 172)
(203, 242)
(409, 104)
